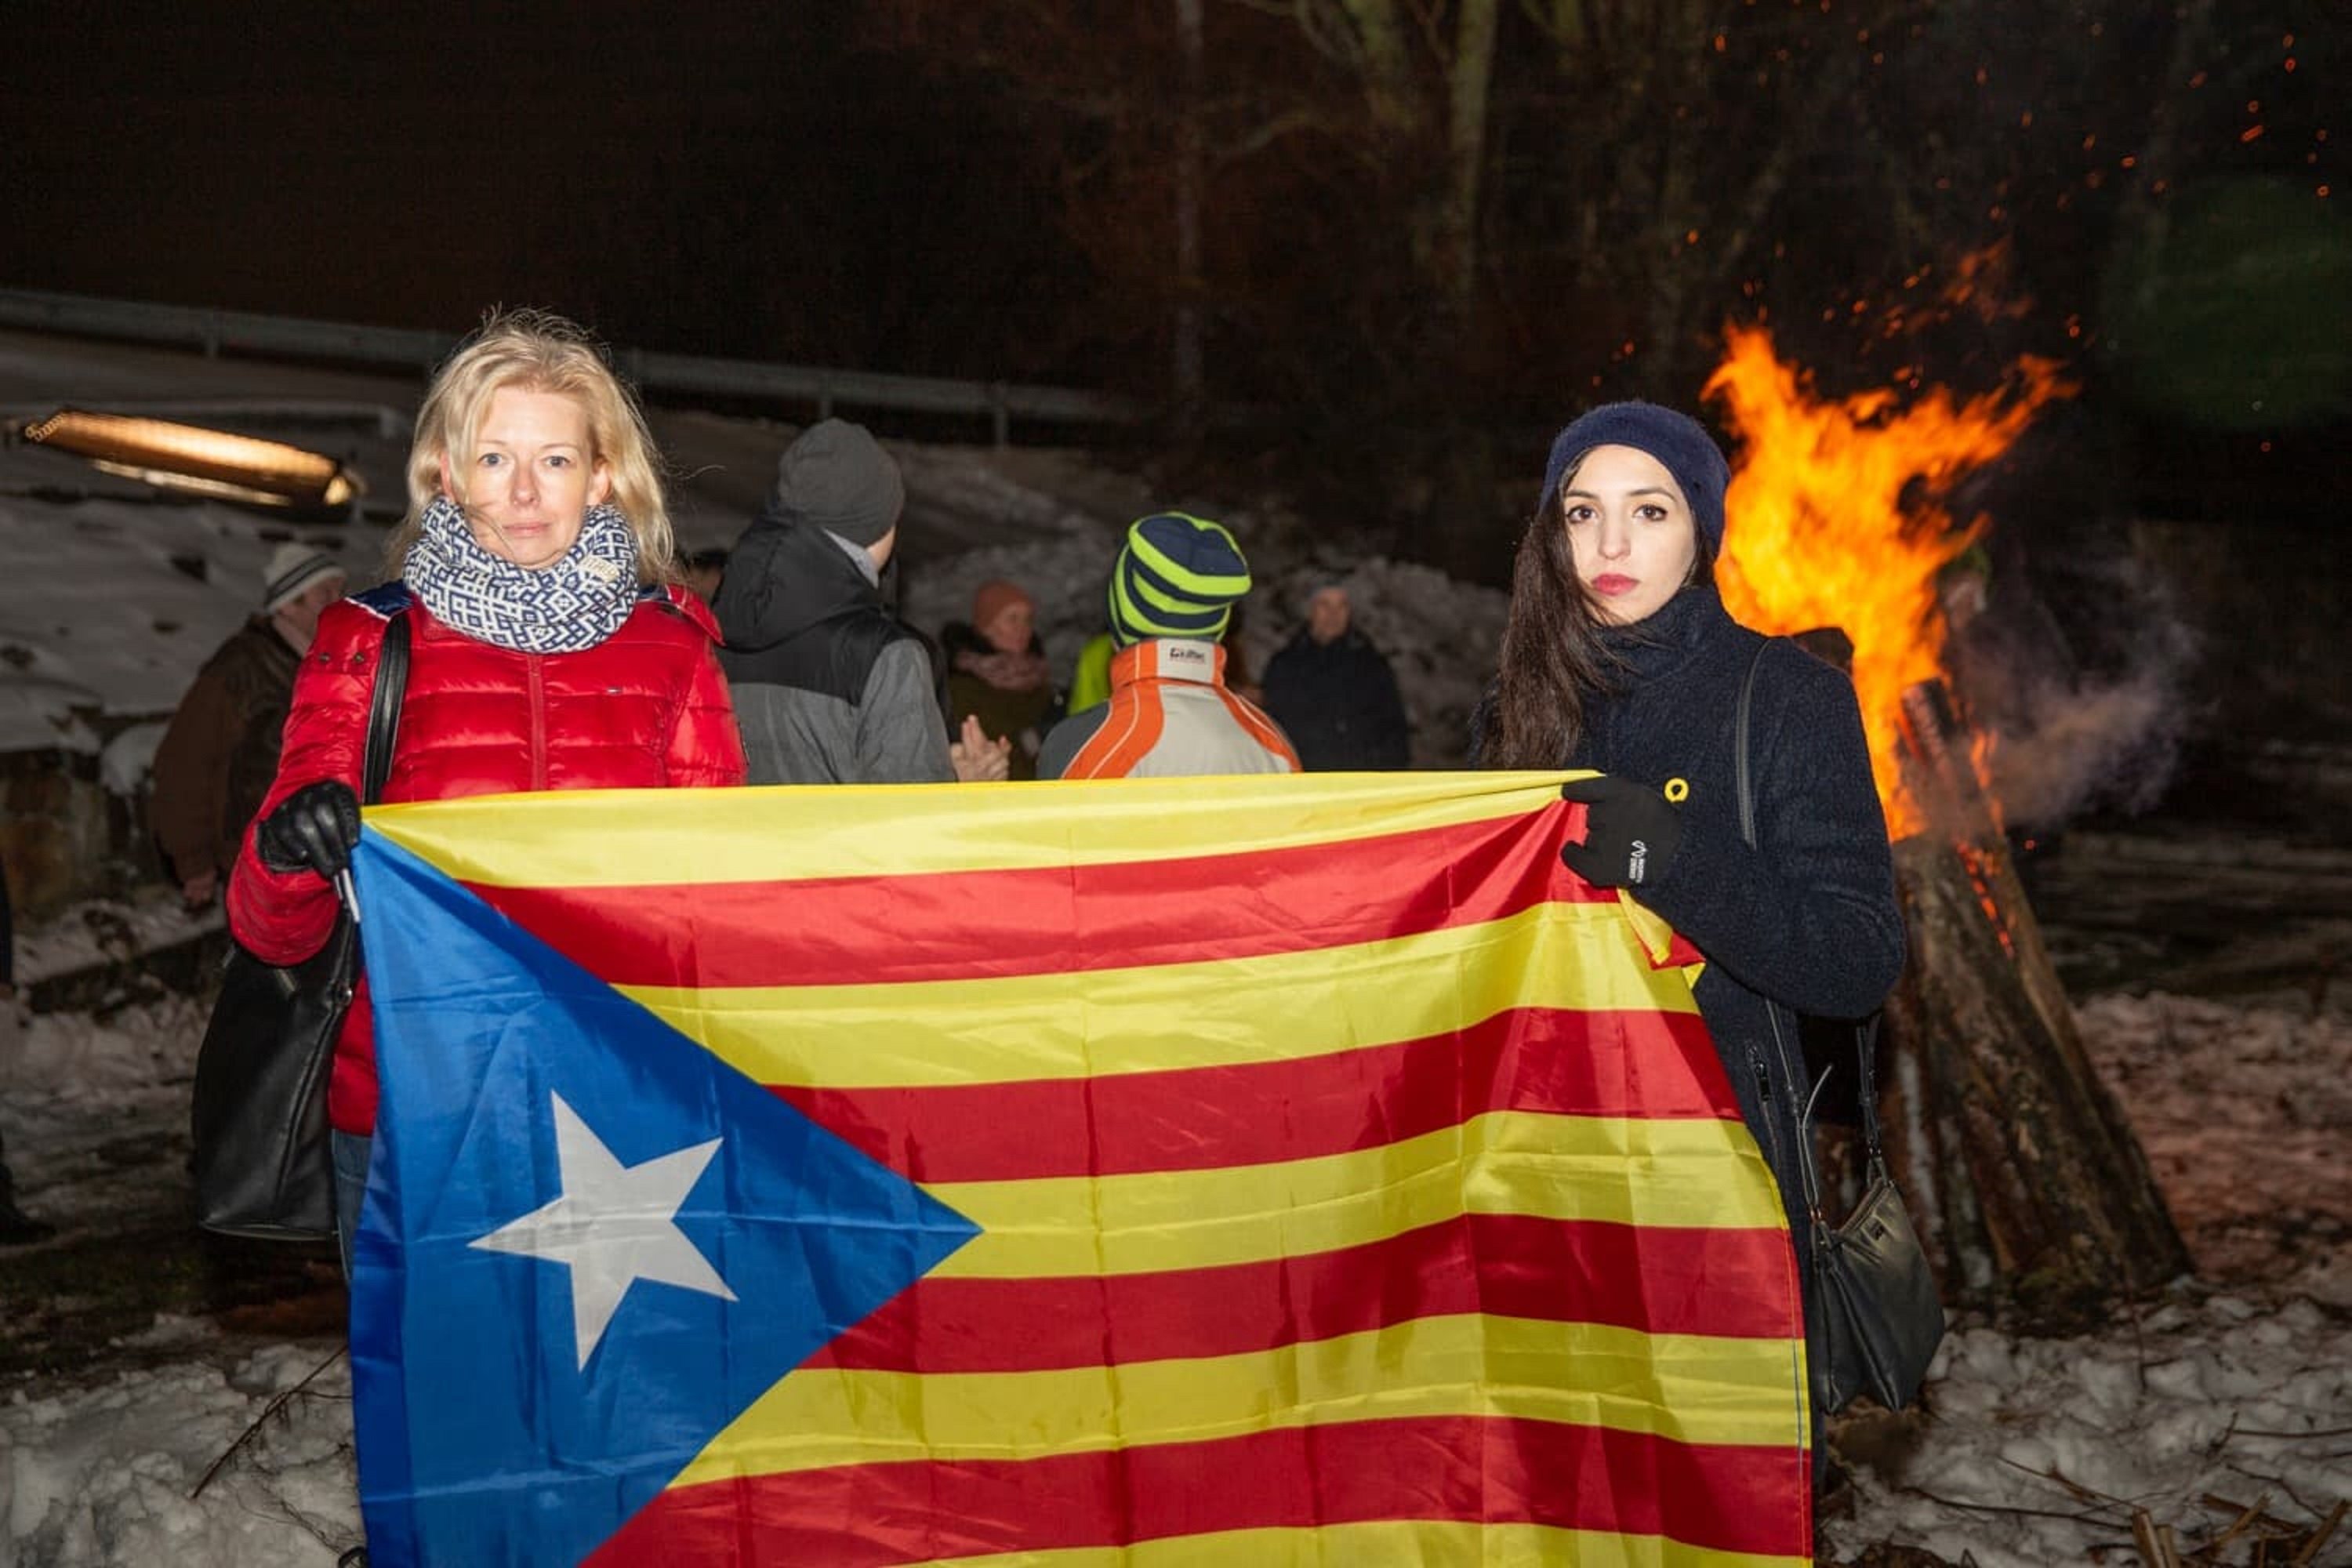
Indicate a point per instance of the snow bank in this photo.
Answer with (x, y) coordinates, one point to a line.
(1441, 636)
(109, 605)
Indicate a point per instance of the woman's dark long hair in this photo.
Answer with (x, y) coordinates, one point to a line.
(1553, 659)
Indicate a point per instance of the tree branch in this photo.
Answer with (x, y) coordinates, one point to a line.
(274, 1407)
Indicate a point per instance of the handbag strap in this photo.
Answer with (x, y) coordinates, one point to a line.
(384, 708)
(1739, 746)
(1865, 1043)
(1866, 1033)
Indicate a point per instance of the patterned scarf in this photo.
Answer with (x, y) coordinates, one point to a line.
(569, 604)
(1007, 672)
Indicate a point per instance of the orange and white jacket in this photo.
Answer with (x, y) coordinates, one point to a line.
(1170, 716)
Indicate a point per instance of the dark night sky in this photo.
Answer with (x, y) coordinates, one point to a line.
(749, 180)
(726, 179)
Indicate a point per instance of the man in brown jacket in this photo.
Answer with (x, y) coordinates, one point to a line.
(220, 752)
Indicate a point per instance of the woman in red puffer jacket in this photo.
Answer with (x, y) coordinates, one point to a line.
(548, 650)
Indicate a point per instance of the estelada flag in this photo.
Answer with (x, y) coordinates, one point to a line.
(1288, 1171)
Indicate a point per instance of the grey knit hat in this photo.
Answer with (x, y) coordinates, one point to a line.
(1677, 441)
(291, 569)
(838, 479)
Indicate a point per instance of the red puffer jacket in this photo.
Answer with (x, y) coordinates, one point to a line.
(647, 707)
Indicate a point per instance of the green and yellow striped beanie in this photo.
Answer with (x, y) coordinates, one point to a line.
(1177, 576)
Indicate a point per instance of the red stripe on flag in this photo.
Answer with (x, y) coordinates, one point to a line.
(1733, 1283)
(1492, 1469)
(958, 925)
(1658, 1066)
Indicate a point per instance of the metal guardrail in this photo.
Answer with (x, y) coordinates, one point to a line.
(217, 332)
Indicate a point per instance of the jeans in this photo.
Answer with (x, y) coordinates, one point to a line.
(351, 1157)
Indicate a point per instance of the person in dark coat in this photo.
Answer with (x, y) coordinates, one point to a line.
(1334, 694)
(829, 685)
(1619, 656)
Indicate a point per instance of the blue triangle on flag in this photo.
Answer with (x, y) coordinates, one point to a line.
(516, 1407)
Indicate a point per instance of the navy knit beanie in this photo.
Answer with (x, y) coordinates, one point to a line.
(1177, 576)
(1676, 440)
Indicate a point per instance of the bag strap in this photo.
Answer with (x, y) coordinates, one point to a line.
(1739, 746)
(1866, 1034)
(375, 762)
(1866, 1038)
(384, 708)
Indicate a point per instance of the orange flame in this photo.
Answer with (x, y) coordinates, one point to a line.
(1980, 752)
(1823, 533)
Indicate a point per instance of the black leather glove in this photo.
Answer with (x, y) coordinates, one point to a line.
(1630, 833)
(314, 830)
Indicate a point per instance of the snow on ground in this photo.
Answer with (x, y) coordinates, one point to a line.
(2253, 1160)
(2237, 1386)
(98, 1469)
(104, 1475)
(2025, 1452)
(2034, 1452)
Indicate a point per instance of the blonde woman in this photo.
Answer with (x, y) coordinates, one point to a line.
(549, 649)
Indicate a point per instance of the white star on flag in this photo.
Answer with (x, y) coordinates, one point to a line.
(613, 1226)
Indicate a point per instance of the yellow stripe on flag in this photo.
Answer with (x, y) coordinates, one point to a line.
(1427, 1543)
(793, 833)
(1620, 1170)
(1683, 1388)
(1278, 1007)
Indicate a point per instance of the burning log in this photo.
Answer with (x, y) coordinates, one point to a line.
(2026, 1182)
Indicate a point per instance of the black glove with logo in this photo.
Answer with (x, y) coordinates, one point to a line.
(1630, 833)
(313, 830)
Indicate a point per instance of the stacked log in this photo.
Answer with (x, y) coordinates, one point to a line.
(2025, 1179)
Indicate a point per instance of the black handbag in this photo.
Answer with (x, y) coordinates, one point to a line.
(260, 1161)
(1879, 1318)
(1875, 1320)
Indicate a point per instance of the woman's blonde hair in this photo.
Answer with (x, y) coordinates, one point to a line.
(539, 352)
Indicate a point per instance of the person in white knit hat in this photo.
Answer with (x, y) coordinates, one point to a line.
(220, 752)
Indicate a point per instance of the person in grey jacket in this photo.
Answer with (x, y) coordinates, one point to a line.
(829, 685)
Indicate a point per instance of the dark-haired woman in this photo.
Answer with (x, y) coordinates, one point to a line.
(1619, 656)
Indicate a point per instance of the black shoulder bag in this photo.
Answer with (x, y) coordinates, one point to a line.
(1876, 1320)
(258, 1116)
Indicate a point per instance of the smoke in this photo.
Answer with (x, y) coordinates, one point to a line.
(2078, 747)
(2089, 712)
